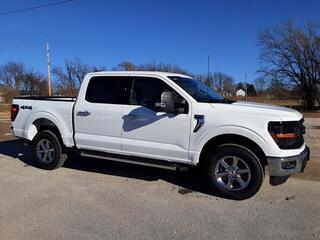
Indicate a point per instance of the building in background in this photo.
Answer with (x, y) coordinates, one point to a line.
(240, 93)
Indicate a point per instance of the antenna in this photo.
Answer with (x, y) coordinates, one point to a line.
(48, 64)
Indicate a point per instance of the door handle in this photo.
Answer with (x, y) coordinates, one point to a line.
(83, 113)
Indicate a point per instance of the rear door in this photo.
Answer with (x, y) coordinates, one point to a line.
(149, 132)
(98, 117)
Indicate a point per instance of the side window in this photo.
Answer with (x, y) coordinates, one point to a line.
(147, 91)
(109, 89)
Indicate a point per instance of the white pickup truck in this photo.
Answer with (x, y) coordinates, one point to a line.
(166, 120)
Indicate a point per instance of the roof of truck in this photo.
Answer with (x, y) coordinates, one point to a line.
(133, 73)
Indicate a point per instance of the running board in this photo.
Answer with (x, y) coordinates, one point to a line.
(134, 160)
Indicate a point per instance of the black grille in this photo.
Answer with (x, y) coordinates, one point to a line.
(298, 128)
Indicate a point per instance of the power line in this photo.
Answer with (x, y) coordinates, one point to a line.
(34, 7)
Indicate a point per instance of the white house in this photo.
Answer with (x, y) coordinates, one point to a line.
(241, 93)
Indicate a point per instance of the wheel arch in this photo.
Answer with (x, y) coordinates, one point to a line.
(216, 141)
(43, 123)
(46, 124)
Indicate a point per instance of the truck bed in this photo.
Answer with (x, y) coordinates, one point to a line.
(58, 110)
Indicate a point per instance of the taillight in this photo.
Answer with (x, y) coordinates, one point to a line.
(14, 111)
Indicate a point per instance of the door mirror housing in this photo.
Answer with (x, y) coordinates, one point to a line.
(170, 103)
(167, 103)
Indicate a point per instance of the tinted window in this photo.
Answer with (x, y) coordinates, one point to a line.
(147, 91)
(114, 90)
(198, 90)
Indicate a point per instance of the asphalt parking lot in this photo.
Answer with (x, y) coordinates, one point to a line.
(97, 199)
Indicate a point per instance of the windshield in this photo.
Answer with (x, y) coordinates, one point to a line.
(198, 90)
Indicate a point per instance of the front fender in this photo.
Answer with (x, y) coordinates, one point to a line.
(236, 130)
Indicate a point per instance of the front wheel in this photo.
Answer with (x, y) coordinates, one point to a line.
(234, 171)
(47, 150)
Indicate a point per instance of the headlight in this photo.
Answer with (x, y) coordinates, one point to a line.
(287, 135)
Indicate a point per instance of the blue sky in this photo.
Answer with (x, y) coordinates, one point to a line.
(104, 33)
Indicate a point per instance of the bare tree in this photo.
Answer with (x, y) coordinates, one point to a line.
(70, 76)
(293, 55)
(129, 66)
(223, 83)
(126, 66)
(11, 74)
(66, 84)
(218, 79)
(229, 87)
(260, 85)
(251, 90)
(78, 69)
(34, 84)
(16, 80)
(277, 89)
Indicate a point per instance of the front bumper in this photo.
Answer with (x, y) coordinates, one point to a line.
(277, 165)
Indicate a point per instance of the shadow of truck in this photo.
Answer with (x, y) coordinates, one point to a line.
(186, 182)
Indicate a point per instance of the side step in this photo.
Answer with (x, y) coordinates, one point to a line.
(134, 160)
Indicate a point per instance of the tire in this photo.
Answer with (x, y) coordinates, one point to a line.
(234, 172)
(47, 150)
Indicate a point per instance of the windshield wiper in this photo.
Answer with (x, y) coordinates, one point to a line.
(229, 101)
(224, 100)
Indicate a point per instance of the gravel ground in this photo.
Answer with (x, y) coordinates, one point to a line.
(96, 199)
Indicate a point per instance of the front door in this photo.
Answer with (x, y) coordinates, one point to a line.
(148, 132)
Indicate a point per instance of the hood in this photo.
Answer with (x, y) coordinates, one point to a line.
(282, 113)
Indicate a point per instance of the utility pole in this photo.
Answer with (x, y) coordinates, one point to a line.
(245, 80)
(48, 64)
(208, 76)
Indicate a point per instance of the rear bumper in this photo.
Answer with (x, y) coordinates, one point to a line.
(295, 164)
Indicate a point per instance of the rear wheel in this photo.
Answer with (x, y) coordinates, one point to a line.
(234, 171)
(47, 150)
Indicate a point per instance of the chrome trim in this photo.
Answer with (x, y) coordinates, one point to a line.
(275, 164)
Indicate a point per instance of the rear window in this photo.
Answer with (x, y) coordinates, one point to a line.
(110, 90)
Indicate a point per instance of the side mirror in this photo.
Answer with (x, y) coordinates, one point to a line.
(167, 103)
(170, 103)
